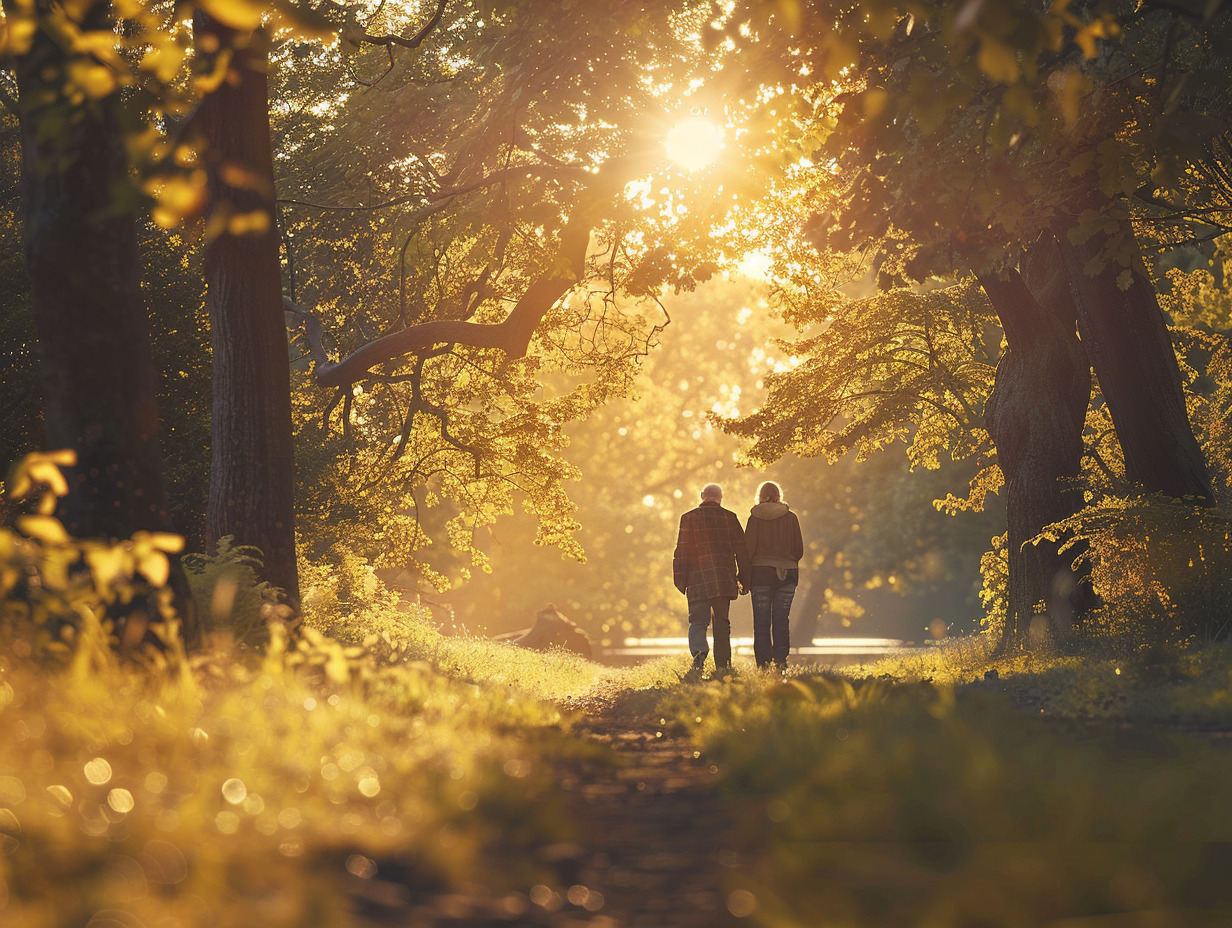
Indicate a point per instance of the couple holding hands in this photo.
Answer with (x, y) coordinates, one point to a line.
(716, 560)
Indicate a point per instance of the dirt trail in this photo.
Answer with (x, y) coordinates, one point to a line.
(655, 845)
(661, 851)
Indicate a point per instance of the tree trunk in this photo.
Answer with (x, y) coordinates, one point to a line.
(1127, 341)
(252, 466)
(98, 375)
(99, 380)
(1035, 415)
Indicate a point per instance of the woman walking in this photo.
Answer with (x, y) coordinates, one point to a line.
(775, 548)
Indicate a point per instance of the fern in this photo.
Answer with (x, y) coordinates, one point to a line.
(230, 596)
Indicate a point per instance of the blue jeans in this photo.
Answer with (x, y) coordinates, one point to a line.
(702, 610)
(771, 611)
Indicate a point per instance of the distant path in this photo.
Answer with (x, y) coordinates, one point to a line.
(655, 844)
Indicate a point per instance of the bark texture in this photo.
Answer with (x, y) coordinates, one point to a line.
(1035, 415)
(98, 375)
(1127, 340)
(99, 380)
(252, 467)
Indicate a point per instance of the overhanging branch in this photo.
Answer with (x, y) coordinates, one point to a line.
(512, 335)
(561, 272)
(414, 41)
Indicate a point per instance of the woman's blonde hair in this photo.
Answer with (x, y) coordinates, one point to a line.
(769, 492)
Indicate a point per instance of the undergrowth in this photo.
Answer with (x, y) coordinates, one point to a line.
(260, 778)
(874, 803)
(1103, 677)
(210, 792)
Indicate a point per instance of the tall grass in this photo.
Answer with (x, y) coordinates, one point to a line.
(879, 803)
(217, 793)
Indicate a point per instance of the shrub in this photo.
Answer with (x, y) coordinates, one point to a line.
(56, 589)
(1163, 565)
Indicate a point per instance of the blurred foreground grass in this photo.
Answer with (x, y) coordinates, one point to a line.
(239, 787)
(225, 794)
(1072, 790)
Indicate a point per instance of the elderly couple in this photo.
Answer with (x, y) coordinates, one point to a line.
(716, 560)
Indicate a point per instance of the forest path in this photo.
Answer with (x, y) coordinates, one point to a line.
(655, 844)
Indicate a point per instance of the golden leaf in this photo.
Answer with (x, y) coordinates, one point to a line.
(155, 567)
(178, 197)
(44, 528)
(54, 573)
(256, 222)
(94, 80)
(242, 15)
(17, 34)
(108, 564)
(243, 177)
(44, 471)
(167, 541)
(208, 83)
(164, 60)
(8, 577)
(997, 60)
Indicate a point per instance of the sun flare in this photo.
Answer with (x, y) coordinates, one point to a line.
(694, 143)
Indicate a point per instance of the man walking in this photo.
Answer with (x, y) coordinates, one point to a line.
(711, 567)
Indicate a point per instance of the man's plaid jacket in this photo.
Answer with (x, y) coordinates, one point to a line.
(710, 552)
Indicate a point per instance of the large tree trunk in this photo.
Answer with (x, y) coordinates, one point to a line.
(98, 374)
(99, 380)
(1127, 341)
(252, 465)
(1035, 416)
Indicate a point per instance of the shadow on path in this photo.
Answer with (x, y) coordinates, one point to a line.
(654, 847)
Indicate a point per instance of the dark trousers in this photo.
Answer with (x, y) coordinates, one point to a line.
(702, 611)
(771, 611)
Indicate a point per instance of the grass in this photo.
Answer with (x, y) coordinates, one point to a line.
(219, 792)
(241, 785)
(1066, 790)
(1105, 678)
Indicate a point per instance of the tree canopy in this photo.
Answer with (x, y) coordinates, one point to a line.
(483, 210)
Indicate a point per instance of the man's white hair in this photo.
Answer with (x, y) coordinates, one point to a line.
(712, 491)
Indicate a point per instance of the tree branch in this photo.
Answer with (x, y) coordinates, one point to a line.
(414, 41)
(560, 273)
(512, 335)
